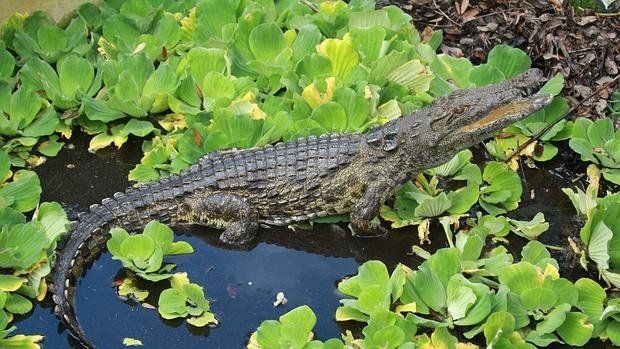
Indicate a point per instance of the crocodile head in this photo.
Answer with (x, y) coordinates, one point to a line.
(465, 117)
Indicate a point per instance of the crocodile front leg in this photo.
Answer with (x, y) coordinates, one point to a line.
(368, 208)
(229, 211)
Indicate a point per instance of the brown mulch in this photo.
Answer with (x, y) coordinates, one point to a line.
(582, 45)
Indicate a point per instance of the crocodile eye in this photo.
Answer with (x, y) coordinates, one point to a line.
(459, 110)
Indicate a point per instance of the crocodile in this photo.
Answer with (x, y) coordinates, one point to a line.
(238, 190)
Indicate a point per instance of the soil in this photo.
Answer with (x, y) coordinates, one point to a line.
(583, 45)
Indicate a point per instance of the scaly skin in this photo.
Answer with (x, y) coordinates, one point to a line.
(235, 190)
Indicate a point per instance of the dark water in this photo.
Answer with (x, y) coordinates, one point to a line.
(242, 285)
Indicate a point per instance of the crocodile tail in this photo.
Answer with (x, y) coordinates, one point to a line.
(70, 263)
(130, 210)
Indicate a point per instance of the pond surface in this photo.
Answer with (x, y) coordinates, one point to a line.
(242, 285)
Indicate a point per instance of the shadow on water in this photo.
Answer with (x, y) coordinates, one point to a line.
(242, 285)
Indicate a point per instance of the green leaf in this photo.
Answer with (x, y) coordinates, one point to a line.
(510, 61)
(17, 304)
(591, 298)
(267, 42)
(553, 320)
(128, 289)
(368, 42)
(50, 147)
(138, 247)
(10, 283)
(503, 191)
(453, 166)
(25, 105)
(452, 69)
(613, 332)
(486, 74)
(206, 318)
(519, 277)
(460, 297)
(445, 263)
(539, 298)
(99, 110)
(51, 39)
(575, 330)
(478, 312)
(162, 81)
(346, 313)
(53, 219)
(330, 116)
(44, 125)
(203, 60)
(554, 85)
(499, 324)
(117, 236)
(429, 288)
(7, 63)
(23, 192)
(531, 229)
(76, 74)
(433, 206)
(341, 54)
(180, 247)
(598, 249)
(411, 75)
(161, 234)
(296, 326)
(172, 304)
(390, 336)
(22, 245)
(535, 252)
(356, 108)
(137, 128)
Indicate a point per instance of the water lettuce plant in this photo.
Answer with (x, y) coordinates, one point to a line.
(600, 234)
(185, 300)
(497, 189)
(144, 253)
(501, 189)
(525, 305)
(24, 117)
(415, 203)
(39, 36)
(26, 248)
(65, 87)
(598, 142)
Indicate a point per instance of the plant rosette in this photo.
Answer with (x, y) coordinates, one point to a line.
(185, 300)
(26, 249)
(598, 142)
(417, 203)
(600, 235)
(144, 253)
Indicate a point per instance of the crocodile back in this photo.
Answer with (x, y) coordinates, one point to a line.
(277, 178)
(273, 166)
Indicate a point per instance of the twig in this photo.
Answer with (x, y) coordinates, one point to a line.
(310, 4)
(548, 127)
(438, 9)
(555, 248)
(605, 14)
(586, 49)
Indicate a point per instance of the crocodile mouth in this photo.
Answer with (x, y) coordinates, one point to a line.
(508, 113)
(496, 118)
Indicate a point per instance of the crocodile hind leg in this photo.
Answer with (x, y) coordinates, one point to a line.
(229, 211)
(367, 209)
